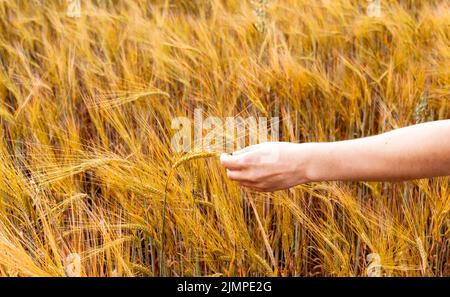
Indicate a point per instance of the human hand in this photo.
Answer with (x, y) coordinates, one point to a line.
(268, 166)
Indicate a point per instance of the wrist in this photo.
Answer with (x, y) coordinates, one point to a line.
(318, 164)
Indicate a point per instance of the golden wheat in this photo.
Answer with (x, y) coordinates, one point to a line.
(179, 162)
(194, 156)
(85, 136)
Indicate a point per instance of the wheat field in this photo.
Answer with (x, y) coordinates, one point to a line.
(86, 105)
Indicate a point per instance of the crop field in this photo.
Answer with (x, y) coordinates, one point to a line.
(91, 185)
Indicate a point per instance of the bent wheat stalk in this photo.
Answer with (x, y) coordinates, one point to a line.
(194, 156)
(178, 163)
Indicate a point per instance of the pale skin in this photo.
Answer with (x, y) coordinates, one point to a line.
(414, 152)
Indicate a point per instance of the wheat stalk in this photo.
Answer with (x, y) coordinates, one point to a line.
(193, 156)
(178, 163)
(264, 235)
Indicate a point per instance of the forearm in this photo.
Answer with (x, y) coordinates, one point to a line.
(413, 152)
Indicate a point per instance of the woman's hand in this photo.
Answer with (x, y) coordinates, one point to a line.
(420, 151)
(268, 166)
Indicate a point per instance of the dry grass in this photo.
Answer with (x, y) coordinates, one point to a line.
(85, 112)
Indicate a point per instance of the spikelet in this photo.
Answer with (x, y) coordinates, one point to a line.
(422, 112)
(4, 114)
(260, 11)
(423, 255)
(141, 269)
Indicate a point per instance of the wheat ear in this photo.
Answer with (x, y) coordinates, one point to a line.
(194, 156)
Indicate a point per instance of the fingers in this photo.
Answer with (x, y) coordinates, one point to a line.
(257, 186)
(239, 175)
(247, 179)
(242, 178)
(235, 175)
(237, 166)
(251, 186)
(232, 162)
(238, 159)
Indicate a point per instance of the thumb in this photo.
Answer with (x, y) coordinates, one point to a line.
(233, 162)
